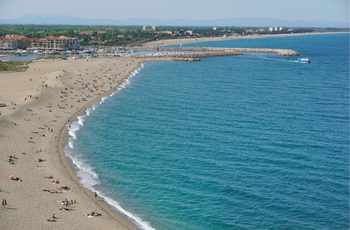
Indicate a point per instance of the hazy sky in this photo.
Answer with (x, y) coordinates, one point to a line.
(307, 10)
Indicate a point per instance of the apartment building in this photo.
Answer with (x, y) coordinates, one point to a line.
(56, 43)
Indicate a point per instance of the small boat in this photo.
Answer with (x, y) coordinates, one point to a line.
(304, 60)
(87, 51)
(37, 52)
(22, 52)
(53, 52)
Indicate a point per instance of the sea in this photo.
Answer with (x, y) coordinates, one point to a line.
(21, 57)
(255, 141)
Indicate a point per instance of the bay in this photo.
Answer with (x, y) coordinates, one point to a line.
(246, 142)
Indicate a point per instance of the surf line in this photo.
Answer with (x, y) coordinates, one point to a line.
(84, 171)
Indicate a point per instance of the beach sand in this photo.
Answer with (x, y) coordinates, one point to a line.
(169, 42)
(41, 102)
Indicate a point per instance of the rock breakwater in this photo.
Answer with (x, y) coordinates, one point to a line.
(195, 54)
(234, 51)
(189, 56)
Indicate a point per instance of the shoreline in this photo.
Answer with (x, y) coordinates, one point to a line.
(16, 125)
(31, 111)
(169, 42)
(67, 162)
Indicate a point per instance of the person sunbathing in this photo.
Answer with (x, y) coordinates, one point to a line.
(50, 219)
(66, 209)
(97, 214)
(93, 213)
(16, 178)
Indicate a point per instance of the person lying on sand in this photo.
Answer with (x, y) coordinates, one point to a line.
(50, 219)
(93, 213)
(15, 178)
(11, 160)
(65, 188)
(66, 209)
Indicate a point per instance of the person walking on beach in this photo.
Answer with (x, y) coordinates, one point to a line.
(4, 202)
(95, 195)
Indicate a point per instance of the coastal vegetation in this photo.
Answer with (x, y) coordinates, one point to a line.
(136, 35)
(12, 65)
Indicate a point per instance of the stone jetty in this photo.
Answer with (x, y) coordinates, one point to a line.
(196, 53)
(190, 55)
(224, 51)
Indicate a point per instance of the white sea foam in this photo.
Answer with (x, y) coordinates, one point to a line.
(102, 100)
(80, 121)
(70, 143)
(141, 223)
(89, 110)
(74, 127)
(85, 172)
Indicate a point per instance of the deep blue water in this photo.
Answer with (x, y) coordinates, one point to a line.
(255, 141)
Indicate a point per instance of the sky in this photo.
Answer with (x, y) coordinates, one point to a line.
(306, 10)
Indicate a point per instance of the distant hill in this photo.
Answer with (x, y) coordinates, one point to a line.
(249, 22)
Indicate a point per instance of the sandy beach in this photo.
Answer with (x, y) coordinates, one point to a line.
(37, 180)
(39, 188)
(169, 42)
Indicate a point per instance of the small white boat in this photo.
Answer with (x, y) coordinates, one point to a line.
(87, 51)
(53, 52)
(37, 52)
(304, 60)
(22, 52)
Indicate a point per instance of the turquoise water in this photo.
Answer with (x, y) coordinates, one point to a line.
(255, 141)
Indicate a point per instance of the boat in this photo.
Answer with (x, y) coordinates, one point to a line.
(22, 52)
(87, 51)
(304, 60)
(37, 52)
(53, 52)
